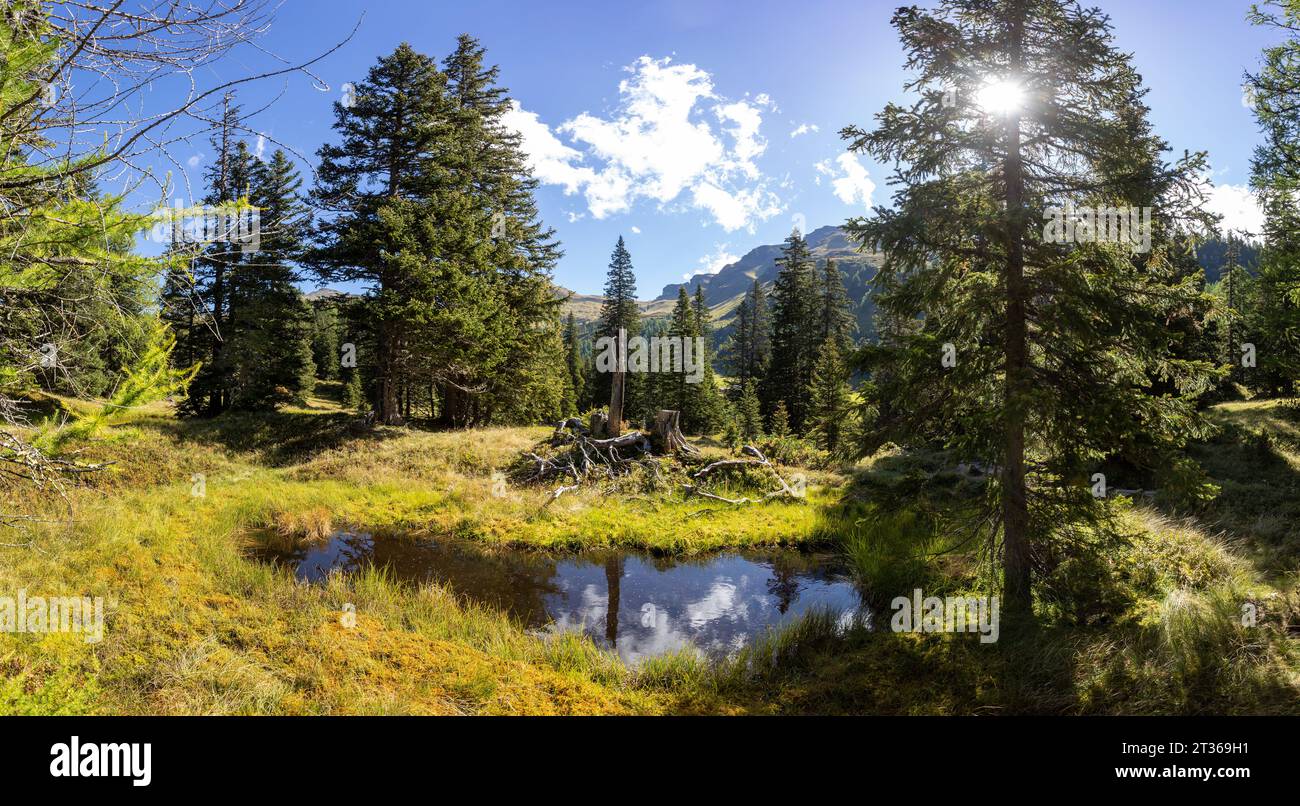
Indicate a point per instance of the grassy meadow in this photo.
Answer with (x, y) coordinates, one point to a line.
(196, 627)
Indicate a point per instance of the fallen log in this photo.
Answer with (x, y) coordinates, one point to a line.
(583, 451)
(756, 459)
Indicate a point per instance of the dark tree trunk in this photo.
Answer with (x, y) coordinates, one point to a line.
(616, 404)
(386, 396)
(1015, 511)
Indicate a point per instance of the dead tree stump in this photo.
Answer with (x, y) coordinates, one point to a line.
(667, 434)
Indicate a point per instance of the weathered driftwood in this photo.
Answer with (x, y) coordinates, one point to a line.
(667, 434)
(565, 427)
(756, 459)
(591, 452)
(559, 492)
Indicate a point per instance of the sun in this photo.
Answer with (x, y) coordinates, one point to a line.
(1000, 97)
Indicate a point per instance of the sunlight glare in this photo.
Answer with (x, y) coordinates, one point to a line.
(1001, 96)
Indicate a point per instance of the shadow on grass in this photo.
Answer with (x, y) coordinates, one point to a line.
(277, 438)
(1259, 502)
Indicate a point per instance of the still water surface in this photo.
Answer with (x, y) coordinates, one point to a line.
(640, 605)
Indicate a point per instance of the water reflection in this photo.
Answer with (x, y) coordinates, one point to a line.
(639, 605)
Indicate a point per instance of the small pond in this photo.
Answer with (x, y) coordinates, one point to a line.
(640, 605)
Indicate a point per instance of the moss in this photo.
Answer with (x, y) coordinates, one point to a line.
(195, 627)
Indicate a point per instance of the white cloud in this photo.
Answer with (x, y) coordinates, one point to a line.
(804, 128)
(194, 161)
(659, 144)
(735, 209)
(636, 230)
(550, 160)
(715, 262)
(260, 148)
(850, 180)
(1239, 208)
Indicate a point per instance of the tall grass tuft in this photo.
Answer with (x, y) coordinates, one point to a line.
(890, 552)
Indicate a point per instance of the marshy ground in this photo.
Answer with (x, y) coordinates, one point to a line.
(197, 625)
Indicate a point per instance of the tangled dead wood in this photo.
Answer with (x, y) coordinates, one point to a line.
(582, 455)
(756, 459)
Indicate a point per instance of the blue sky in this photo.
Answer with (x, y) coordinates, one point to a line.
(699, 129)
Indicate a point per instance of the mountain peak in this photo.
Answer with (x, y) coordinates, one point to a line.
(735, 278)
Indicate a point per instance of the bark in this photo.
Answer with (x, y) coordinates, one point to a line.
(616, 404)
(386, 409)
(667, 434)
(1017, 578)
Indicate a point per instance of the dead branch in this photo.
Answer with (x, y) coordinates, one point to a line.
(756, 459)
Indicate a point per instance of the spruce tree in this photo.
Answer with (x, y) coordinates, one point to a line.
(795, 336)
(575, 365)
(325, 341)
(1032, 347)
(619, 311)
(749, 349)
(780, 421)
(673, 390)
(703, 317)
(831, 398)
(508, 335)
(836, 322)
(748, 415)
(708, 407)
(373, 193)
(215, 268)
(270, 350)
(1275, 176)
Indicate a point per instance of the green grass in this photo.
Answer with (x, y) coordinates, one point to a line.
(196, 627)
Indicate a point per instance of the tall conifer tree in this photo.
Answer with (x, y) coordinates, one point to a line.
(1035, 349)
(795, 334)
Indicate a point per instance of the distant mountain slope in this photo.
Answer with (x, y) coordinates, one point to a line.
(724, 290)
(1213, 256)
(586, 307)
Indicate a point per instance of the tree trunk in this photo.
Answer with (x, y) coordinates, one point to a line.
(616, 404)
(386, 409)
(1015, 511)
(667, 436)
